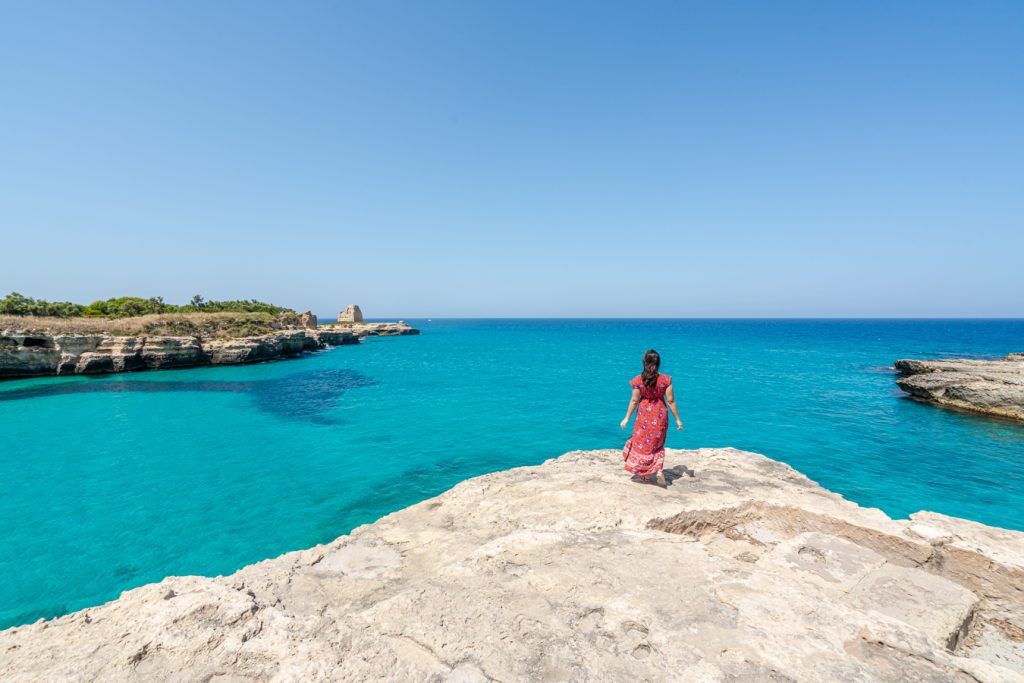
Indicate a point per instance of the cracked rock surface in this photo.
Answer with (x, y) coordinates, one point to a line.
(993, 387)
(742, 569)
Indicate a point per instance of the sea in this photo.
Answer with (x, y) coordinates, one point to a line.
(111, 482)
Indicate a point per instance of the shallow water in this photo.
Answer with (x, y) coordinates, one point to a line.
(107, 483)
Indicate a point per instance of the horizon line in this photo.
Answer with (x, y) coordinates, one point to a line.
(557, 317)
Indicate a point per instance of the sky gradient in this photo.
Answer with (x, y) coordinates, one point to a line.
(523, 159)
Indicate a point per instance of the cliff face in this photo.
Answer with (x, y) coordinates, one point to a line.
(25, 355)
(741, 569)
(993, 387)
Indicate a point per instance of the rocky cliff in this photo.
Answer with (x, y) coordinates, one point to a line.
(741, 569)
(993, 387)
(24, 354)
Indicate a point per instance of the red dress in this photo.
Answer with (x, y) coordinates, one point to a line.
(645, 450)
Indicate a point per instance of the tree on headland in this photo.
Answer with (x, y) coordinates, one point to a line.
(17, 304)
(129, 307)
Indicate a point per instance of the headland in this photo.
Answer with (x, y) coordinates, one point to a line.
(33, 345)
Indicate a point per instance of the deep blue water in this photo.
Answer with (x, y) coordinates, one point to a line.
(111, 482)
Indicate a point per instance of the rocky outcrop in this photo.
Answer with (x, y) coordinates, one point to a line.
(328, 337)
(993, 387)
(351, 320)
(259, 349)
(399, 328)
(308, 320)
(28, 355)
(741, 569)
(351, 314)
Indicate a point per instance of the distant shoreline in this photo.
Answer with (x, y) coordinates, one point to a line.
(35, 346)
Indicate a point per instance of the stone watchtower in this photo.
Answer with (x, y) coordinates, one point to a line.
(351, 314)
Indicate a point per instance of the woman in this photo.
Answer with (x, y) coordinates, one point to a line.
(645, 450)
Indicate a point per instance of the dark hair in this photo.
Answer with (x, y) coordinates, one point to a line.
(652, 361)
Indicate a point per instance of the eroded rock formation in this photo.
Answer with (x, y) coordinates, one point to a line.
(993, 387)
(741, 570)
(351, 314)
(351, 319)
(27, 355)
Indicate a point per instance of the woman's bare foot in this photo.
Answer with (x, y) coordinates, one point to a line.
(660, 478)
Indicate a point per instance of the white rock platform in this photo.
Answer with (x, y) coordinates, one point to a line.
(742, 569)
(992, 387)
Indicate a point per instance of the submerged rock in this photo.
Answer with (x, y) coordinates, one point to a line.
(741, 569)
(993, 387)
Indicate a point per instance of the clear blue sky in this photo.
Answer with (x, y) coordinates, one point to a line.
(518, 158)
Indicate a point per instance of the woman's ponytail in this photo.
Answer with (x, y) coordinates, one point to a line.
(652, 361)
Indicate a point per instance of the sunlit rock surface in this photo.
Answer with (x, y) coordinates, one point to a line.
(28, 354)
(993, 387)
(741, 569)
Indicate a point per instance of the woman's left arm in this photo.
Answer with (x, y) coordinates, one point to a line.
(670, 399)
(633, 401)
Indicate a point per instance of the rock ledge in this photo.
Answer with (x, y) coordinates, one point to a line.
(992, 387)
(741, 570)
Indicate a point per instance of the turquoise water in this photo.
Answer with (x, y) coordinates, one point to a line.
(112, 482)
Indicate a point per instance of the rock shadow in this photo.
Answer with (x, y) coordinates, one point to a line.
(671, 475)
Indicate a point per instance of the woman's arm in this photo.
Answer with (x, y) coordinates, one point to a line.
(670, 399)
(633, 400)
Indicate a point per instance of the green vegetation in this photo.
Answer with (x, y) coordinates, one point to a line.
(16, 304)
(129, 307)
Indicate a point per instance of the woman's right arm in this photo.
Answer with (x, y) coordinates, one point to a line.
(633, 401)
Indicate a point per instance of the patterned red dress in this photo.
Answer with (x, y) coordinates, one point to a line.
(645, 450)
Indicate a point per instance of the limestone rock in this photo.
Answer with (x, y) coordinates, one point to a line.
(993, 387)
(111, 354)
(308, 320)
(27, 355)
(258, 349)
(741, 569)
(383, 329)
(351, 314)
(173, 352)
(400, 328)
(333, 337)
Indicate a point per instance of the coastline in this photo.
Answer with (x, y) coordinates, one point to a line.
(741, 567)
(26, 352)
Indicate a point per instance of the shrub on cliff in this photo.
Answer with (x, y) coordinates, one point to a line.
(127, 307)
(130, 307)
(17, 304)
(240, 306)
